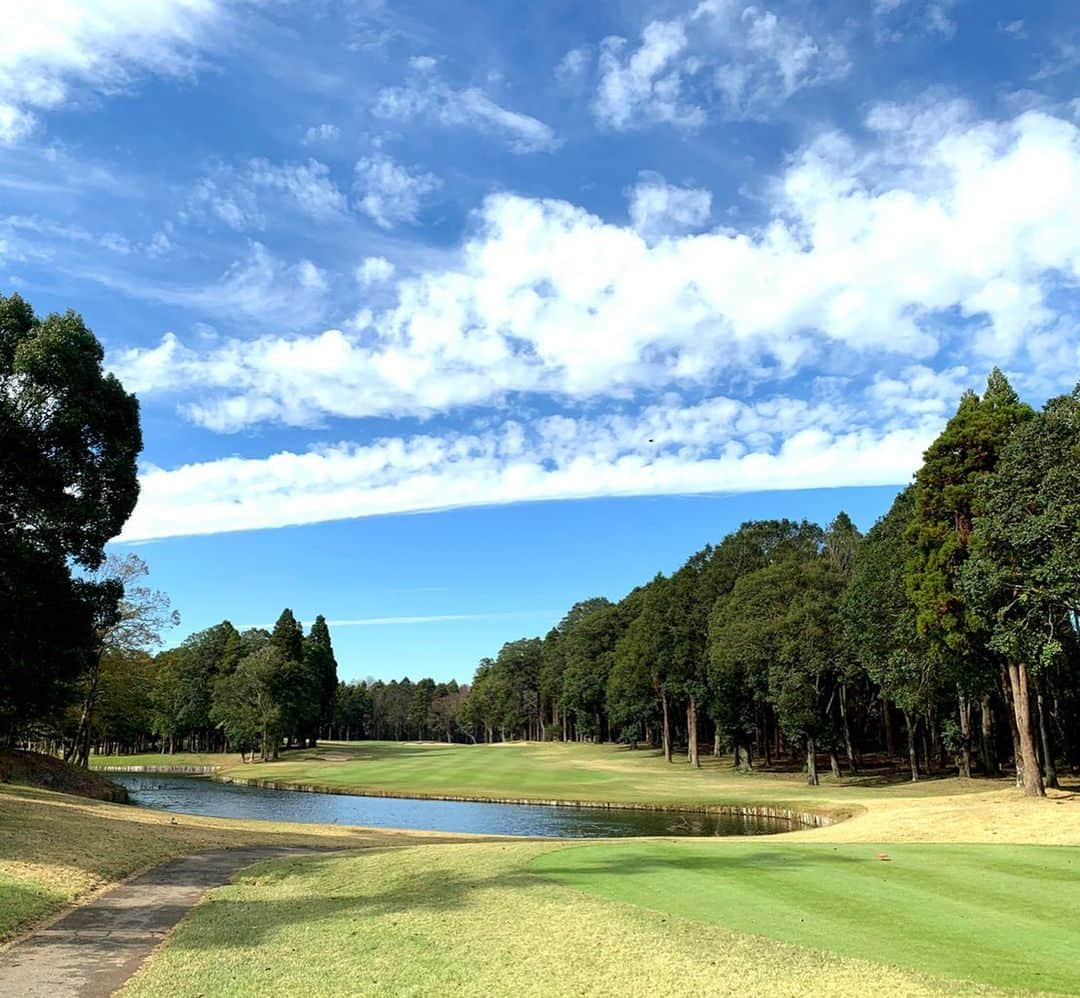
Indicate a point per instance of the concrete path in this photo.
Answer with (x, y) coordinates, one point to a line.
(94, 949)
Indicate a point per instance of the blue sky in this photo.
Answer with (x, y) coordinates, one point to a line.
(465, 311)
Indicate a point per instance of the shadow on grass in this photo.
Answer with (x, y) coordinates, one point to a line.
(245, 922)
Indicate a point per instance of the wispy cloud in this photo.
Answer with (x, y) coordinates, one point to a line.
(53, 49)
(259, 285)
(429, 98)
(389, 192)
(718, 60)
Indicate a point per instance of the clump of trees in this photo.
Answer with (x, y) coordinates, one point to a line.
(954, 624)
(399, 710)
(69, 441)
(221, 689)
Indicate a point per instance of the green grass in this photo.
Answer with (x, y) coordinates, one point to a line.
(550, 771)
(474, 920)
(1001, 915)
(813, 911)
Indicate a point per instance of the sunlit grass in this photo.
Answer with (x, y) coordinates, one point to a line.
(1002, 915)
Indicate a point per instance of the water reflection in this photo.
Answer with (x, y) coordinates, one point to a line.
(195, 795)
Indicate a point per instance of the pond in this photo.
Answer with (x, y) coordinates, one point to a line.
(199, 795)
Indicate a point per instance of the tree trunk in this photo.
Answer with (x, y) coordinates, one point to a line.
(667, 726)
(80, 755)
(913, 755)
(965, 737)
(890, 737)
(811, 763)
(1046, 734)
(694, 757)
(1010, 710)
(834, 763)
(849, 748)
(1018, 680)
(742, 752)
(716, 745)
(989, 747)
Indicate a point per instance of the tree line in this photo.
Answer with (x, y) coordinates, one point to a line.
(220, 690)
(948, 633)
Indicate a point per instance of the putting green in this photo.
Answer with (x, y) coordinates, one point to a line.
(999, 915)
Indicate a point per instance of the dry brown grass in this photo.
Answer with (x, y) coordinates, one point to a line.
(56, 849)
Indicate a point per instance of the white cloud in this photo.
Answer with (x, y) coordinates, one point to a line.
(718, 445)
(51, 51)
(374, 270)
(236, 197)
(322, 133)
(389, 192)
(720, 59)
(574, 65)
(15, 124)
(430, 98)
(920, 17)
(259, 286)
(870, 251)
(308, 185)
(646, 85)
(658, 208)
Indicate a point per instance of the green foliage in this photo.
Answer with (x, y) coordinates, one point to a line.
(69, 439)
(879, 616)
(1023, 575)
(247, 702)
(954, 465)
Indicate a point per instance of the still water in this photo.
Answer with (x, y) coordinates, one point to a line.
(197, 795)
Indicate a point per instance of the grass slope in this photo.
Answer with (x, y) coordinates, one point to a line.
(473, 920)
(36, 770)
(1002, 915)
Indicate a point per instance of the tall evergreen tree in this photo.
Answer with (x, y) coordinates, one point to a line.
(963, 455)
(321, 668)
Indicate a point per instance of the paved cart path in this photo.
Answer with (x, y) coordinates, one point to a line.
(94, 949)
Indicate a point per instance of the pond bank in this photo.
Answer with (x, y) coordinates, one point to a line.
(800, 817)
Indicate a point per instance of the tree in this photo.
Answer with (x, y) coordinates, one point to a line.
(321, 668)
(779, 629)
(879, 619)
(298, 691)
(69, 440)
(1023, 573)
(589, 648)
(737, 686)
(247, 703)
(642, 665)
(131, 618)
(964, 453)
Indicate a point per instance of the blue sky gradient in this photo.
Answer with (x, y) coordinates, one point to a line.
(470, 310)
